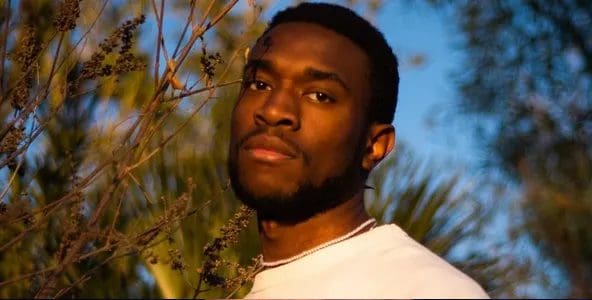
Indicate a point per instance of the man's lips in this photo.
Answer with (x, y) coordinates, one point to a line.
(267, 154)
(269, 148)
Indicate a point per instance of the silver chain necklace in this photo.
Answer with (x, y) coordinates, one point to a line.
(319, 247)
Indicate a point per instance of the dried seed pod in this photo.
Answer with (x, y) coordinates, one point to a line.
(25, 55)
(176, 259)
(121, 38)
(68, 12)
(11, 141)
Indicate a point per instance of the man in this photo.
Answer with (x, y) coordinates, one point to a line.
(312, 119)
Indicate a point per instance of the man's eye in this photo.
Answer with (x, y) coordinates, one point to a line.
(259, 86)
(319, 97)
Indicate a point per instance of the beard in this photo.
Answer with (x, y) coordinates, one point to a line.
(307, 200)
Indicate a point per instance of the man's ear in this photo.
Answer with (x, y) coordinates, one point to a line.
(380, 142)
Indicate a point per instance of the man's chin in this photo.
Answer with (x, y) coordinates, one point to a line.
(270, 202)
(279, 210)
(286, 200)
(288, 208)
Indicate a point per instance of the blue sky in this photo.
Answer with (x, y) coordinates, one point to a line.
(426, 91)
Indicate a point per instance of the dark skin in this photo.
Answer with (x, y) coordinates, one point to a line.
(307, 99)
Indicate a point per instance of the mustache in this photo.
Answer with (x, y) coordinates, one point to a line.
(275, 133)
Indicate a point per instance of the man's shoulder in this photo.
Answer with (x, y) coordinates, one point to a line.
(392, 258)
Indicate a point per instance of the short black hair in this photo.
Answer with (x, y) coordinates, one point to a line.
(384, 76)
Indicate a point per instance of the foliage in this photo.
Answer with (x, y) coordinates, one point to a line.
(96, 164)
(527, 80)
(113, 153)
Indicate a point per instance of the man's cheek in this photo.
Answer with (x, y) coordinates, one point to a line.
(237, 124)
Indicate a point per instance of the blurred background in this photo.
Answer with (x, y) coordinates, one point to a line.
(115, 119)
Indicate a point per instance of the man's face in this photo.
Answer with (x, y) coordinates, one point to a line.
(298, 128)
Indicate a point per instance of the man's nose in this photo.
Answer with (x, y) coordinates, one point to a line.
(279, 109)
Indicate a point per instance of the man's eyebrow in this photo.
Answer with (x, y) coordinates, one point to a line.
(258, 64)
(316, 74)
(310, 73)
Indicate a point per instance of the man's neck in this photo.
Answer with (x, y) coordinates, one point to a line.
(281, 241)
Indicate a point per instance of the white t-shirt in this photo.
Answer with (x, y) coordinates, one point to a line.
(381, 263)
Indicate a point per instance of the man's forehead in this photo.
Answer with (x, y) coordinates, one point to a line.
(302, 30)
(302, 39)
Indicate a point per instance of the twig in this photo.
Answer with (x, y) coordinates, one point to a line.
(18, 166)
(198, 31)
(183, 125)
(141, 161)
(53, 66)
(159, 22)
(189, 21)
(86, 276)
(257, 270)
(25, 276)
(50, 208)
(205, 15)
(105, 199)
(131, 175)
(80, 280)
(88, 91)
(3, 48)
(202, 104)
(197, 91)
(197, 289)
(112, 228)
